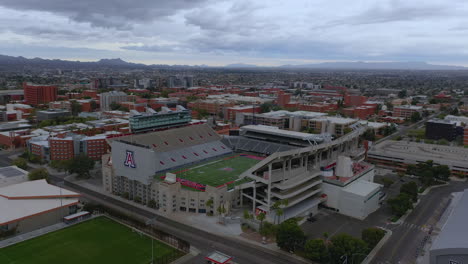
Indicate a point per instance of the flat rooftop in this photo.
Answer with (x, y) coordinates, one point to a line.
(23, 200)
(271, 130)
(414, 152)
(454, 232)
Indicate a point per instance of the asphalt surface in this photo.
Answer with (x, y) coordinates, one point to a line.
(242, 252)
(408, 239)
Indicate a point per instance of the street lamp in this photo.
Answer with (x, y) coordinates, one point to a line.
(151, 222)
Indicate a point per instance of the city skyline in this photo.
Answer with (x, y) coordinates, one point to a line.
(218, 33)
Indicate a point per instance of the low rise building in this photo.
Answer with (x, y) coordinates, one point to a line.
(350, 188)
(399, 154)
(12, 175)
(31, 205)
(51, 114)
(406, 111)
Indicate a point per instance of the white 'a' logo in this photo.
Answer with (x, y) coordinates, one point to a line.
(130, 159)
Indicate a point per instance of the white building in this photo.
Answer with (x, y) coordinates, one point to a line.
(350, 189)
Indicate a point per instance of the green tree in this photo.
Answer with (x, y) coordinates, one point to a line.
(411, 189)
(346, 245)
(265, 107)
(261, 217)
(75, 108)
(387, 182)
(316, 250)
(152, 203)
(247, 215)
(20, 163)
(221, 210)
(114, 106)
(277, 207)
(415, 117)
(81, 165)
(443, 142)
(290, 236)
(372, 236)
(38, 174)
(402, 94)
(400, 204)
(209, 203)
(454, 111)
(165, 93)
(442, 172)
(369, 135)
(93, 105)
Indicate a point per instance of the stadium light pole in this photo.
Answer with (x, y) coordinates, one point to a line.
(151, 222)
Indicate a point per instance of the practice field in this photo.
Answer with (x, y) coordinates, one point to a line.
(218, 172)
(96, 241)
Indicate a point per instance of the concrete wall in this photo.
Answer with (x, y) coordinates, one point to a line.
(40, 221)
(145, 166)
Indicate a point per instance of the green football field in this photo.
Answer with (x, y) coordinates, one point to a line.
(96, 241)
(217, 172)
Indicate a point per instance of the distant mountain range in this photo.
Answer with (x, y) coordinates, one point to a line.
(359, 65)
(376, 66)
(10, 63)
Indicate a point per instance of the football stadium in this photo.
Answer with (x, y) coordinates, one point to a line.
(95, 241)
(181, 169)
(215, 173)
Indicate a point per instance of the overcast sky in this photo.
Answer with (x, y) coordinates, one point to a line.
(217, 32)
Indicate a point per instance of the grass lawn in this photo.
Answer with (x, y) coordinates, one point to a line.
(96, 241)
(217, 172)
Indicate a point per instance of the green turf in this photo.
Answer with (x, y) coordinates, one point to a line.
(211, 173)
(96, 241)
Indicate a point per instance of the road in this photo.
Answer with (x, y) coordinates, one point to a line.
(403, 129)
(408, 239)
(243, 252)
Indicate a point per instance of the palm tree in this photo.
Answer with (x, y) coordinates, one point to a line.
(278, 208)
(261, 217)
(208, 205)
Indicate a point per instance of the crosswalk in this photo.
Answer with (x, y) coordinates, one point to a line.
(424, 228)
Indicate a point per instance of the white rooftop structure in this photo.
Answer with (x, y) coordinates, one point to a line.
(374, 125)
(23, 200)
(362, 188)
(12, 175)
(462, 119)
(412, 107)
(281, 132)
(218, 257)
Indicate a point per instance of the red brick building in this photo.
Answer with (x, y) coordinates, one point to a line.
(35, 94)
(354, 100)
(61, 148)
(405, 111)
(283, 99)
(67, 147)
(318, 107)
(231, 112)
(465, 136)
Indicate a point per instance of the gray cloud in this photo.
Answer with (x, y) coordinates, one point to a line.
(394, 11)
(119, 14)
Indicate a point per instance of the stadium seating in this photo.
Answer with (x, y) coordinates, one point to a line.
(240, 143)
